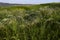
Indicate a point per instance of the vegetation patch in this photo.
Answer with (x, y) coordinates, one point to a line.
(36, 22)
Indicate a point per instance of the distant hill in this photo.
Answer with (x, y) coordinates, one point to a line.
(46, 4)
(5, 4)
(8, 4)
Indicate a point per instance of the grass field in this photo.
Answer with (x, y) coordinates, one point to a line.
(36, 22)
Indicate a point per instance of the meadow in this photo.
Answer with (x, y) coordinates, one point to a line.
(36, 22)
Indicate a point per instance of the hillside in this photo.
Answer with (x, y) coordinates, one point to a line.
(32, 22)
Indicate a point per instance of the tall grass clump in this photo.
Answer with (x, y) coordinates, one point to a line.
(30, 23)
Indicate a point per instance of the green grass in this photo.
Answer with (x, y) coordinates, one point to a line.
(38, 22)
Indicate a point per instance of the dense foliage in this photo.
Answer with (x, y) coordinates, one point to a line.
(40, 22)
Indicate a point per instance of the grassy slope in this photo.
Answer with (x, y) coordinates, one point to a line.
(37, 22)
